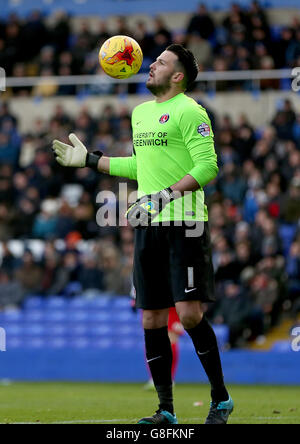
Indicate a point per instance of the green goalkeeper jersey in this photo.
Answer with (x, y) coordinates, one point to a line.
(171, 139)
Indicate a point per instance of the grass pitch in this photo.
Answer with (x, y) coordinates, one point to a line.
(94, 403)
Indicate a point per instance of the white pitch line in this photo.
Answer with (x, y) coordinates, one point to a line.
(80, 421)
(133, 421)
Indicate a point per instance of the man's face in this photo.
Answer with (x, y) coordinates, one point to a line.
(161, 71)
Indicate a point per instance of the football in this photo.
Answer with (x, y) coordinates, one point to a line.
(120, 57)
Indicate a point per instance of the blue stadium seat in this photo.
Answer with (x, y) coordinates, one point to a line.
(54, 316)
(76, 315)
(78, 303)
(56, 303)
(81, 323)
(123, 316)
(126, 330)
(276, 31)
(12, 315)
(58, 342)
(35, 343)
(14, 342)
(34, 302)
(121, 303)
(282, 346)
(287, 233)
(53, 329)
(101, 343)
(103, 301)
(14, 330)
(81, 342)
(285, 84)
(35, 315)
(100, 330)
(127, 343)
(186, 343)
(35, 330)
(77, 330)
(142, 89)
(100, 316)
(222, 334)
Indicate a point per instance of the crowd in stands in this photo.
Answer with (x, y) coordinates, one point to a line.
(253, 204)
(243, 40)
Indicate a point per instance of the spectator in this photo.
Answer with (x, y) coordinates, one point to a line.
(201, 23)
(66, 275)
(60, 32)
(201, 49)
(9, 262)
(293, 50)
(29, 274)
(13, 45)
(117, 278)
(6, 219)
(122, 27)
(9, 149)
(264, 294)
(46, 88)
(102, 34)
(51, 265)
(233, 309)
(293, 271)
(45, 223)
(161, 29)
(6, 115)
(281, 46)
(33, 27)
(290, 211)
(85, 34)
(11, 292)
(91, 275)
(144, 38)
(233, 186)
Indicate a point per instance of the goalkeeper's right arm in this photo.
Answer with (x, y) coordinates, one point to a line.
(77, 156)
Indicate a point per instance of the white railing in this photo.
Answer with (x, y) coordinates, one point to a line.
(209, 76)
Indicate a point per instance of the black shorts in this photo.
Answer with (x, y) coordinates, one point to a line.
(170, 267)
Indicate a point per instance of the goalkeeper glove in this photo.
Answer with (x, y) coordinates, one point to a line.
(75, 156)
(146, 208)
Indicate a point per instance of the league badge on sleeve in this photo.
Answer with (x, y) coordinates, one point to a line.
(204, 130)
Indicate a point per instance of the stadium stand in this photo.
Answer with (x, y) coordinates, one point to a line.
(61, 274)
(253, 205)
(235, 39)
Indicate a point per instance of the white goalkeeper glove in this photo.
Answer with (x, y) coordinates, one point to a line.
(68, 155)
(76, 156)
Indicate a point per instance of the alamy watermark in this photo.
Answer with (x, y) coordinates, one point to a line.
(296, 79)
(2, 79)
(296, 341)
(2, 340)
(186, 210)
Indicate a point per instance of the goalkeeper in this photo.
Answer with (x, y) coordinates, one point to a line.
(173, 159)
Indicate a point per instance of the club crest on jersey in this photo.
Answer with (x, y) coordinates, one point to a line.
(164, 118)
(204, 130)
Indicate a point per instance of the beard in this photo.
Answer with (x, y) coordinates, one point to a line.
(160, 89)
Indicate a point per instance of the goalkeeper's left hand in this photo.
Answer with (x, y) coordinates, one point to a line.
(146, 208)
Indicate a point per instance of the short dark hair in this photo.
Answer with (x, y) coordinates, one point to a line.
(187, 59)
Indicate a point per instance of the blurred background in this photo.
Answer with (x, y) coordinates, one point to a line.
(64, 281)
